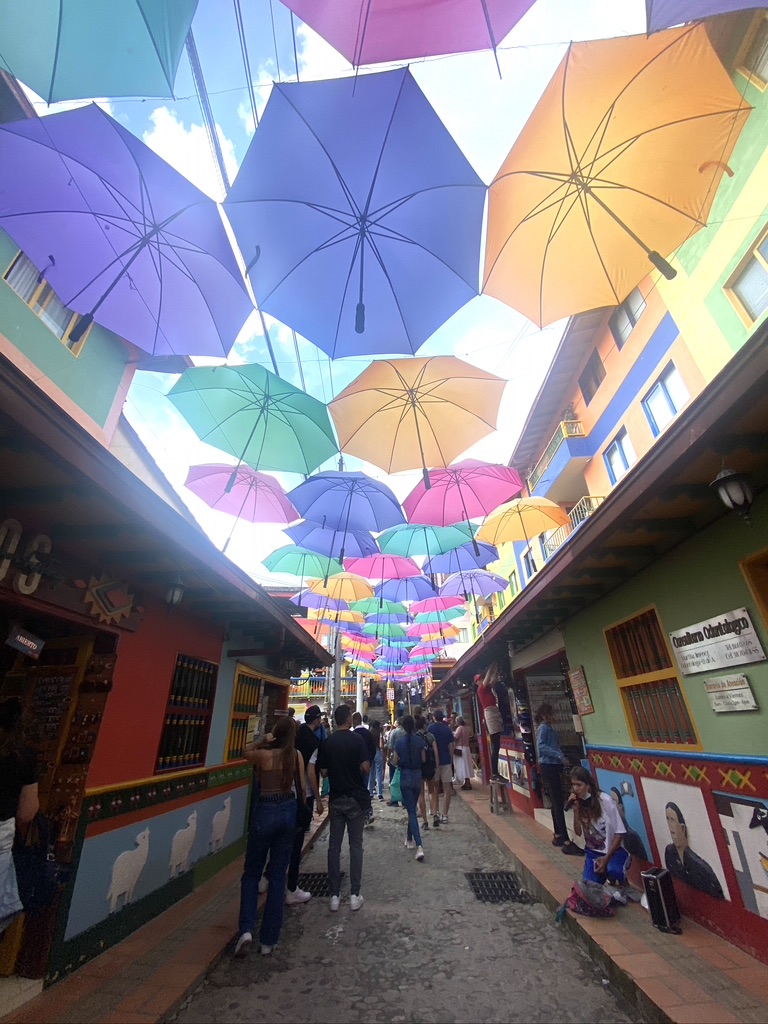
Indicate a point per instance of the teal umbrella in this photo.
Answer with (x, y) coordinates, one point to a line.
(413, 540)
(378, 606)
(385, 631)
(441, 616)
(77, 49)
(295, 561)
(256, 416)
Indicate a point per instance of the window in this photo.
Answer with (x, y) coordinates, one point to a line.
(31, 286)
(592, 376)
(654, 702)
(754, 62)
(244, 716)
(665, 399)
(748, 288)
(625, 316)
(184, 738)
(529, 564)
(619, 456)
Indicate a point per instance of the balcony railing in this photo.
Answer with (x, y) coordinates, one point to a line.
(578, 514)
(565, 429)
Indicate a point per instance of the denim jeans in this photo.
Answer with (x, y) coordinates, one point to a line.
(346, 813)
(376, 775)
(411, 784)
(298, 848)
(270, 834)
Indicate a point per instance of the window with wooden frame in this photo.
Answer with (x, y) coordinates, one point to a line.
(592, 376)
(752, 61)
(654, 703)
(184, 739)
(30, 285)
(748, 287)
(245, 716)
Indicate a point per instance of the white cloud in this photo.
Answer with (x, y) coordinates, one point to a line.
(188, 149)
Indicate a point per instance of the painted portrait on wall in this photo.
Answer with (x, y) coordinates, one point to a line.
(745, 823)
(684, 836)
(621, 788)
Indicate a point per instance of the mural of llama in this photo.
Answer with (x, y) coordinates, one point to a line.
(126, 870)
(181, 847)
(219, 826)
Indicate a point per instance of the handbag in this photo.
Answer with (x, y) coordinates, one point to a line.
(458, 751)
(38, 873)
(303, 813)
(395, 791)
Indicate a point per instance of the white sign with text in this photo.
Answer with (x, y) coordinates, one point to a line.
(730, 693)
(720, 642)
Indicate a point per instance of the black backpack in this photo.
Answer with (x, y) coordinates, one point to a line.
(428, 766)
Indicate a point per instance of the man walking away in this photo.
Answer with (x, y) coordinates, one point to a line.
(359, 726)
(307, 744)
(394, 735)
(343, 759)
(444, 739)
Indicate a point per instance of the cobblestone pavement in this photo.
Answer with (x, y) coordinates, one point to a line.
(421, 949)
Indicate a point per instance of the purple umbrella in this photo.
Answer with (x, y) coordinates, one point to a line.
(473, 581)
(414, 588)
(462, 559)
(121, 237)
(308, 599)
(666, 13)
(330, 542)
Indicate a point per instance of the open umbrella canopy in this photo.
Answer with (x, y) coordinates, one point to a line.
(436, 604)
(256, 416)
(293, 560)
(522, 519)
(334, 543)
(417, 540)
(358, 215)
(75, 49)
(387, 617)
(475, 581)
(375, 605)
(461, 559)
(414, 588)
(432, 630)
(416, 413)
(374, 31)
(617, 166)
(253, 496)
(447, 615)
(306, 599)
(466, 490)
(398, 655)
(663, 14)
(383, 567)
(345, 586)
(388, 631)
(120, 236)
(344, 615)
(346, 501)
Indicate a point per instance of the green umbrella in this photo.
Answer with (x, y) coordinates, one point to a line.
(384, 630)
(256, 416)
(295, 561)
(75, 49)
(441, 616)
(413, 540)
(374, 606)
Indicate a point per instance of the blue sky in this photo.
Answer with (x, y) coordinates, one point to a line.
(483, 112)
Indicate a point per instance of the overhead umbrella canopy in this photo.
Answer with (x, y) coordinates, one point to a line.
(293, 560)
(256, 416)
(446, 615)
(374, 605)
(307, 599)
(336, 615)
(414, 588)
(435, 604)
(334, 543)
(617, 166)
(358, 216)
(432, 630)
(383, 567)
(416, 413)
(460, 559)
(346, 500)
(476, 581)
(76, 49)
(374, 31)
(663, 14)
(522, 519)
(385, 630)
(466, 490)
(415, 540)
(120, 236)
(345, 586)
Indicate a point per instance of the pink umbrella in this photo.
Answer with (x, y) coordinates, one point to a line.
(435, 604)
(469, 489)
(243, 493)
(383, 567)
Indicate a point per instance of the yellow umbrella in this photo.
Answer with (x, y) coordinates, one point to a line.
(618, 164)
(346, 615)
(414, 413)
(521, 519)
(345, 586)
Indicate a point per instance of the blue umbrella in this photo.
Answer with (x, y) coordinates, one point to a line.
(473, 581)
(308, 599)
(327, 541)
(462, 559)
(666, 13)
(358, 216)
(414, 588)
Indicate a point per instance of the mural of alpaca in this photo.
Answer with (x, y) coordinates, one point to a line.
(181, 847)
(219, 826)
(126, 870)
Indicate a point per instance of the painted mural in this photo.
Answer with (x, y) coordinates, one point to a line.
(745, 823)
(621, 789)
(122, 866)
(684, 836)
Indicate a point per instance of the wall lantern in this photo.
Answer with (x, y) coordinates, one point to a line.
(175, 593)
(735, 491)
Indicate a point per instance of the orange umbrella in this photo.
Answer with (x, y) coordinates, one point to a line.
(618, 164)
(414, 413)
(345, 586)
(521, 519)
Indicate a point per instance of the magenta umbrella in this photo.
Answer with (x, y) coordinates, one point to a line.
(469, 489)
(383, 567)
(374, 31)
(243, 493)
(435, 604)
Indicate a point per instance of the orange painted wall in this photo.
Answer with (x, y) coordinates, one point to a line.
(134, 714)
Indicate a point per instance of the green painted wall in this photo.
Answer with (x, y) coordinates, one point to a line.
(697, 580)
(91, 379)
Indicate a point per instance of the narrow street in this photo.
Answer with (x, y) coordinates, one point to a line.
(421, 949)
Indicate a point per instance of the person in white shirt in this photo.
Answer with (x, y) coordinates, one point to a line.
(597, 818)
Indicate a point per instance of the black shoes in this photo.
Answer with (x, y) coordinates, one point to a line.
(571, 849)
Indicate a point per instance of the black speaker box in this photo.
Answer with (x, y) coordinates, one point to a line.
(662, 901)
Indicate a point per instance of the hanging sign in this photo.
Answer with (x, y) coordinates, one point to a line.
(581, 694)
(730, 693)
(27, 643)
(721, 642)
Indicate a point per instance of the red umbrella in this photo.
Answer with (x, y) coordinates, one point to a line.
(469, 489)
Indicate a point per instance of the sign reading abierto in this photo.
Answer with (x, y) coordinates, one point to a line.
(721, 642)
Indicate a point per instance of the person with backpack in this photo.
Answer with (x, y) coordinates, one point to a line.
(409, 754)
(428, 768)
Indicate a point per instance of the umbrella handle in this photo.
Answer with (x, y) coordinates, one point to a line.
(360, 318)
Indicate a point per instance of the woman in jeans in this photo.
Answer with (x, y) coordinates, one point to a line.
(409, 752)
(279, 774)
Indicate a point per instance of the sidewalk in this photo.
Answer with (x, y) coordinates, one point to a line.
(146, 977)
(693, 978)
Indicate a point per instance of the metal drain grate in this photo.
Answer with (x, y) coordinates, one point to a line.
(497, 887)
(316, 882)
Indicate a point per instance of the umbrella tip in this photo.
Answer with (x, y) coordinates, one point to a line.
(661, 264)
(427, 481)
(360, 318)
(81, 326)
(254, 261)
(232, 481)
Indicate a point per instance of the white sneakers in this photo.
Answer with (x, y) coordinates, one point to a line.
(419, 853)
(263, 883)
(410, 844)
(267, 950)
(297, 896)
(355, 902)
(243, 945)
(335, 903)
